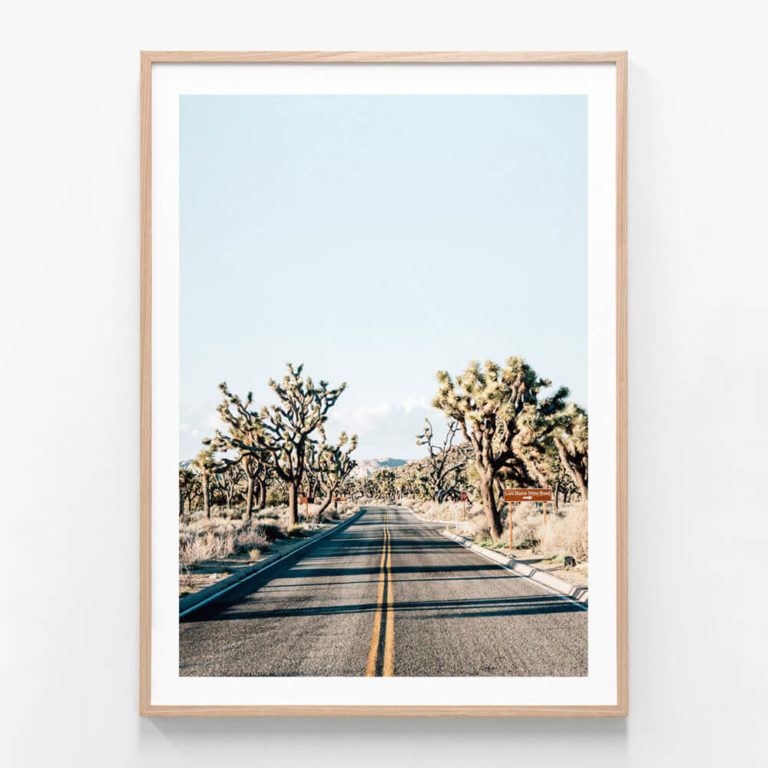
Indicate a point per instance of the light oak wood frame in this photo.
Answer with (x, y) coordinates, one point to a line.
(619, 60)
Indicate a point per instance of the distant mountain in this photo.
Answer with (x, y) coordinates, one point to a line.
(366, 467)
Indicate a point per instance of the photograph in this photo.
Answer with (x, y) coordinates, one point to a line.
(383, 386)
(365, 368)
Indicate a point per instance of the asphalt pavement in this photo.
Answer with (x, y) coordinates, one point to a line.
(387, 595)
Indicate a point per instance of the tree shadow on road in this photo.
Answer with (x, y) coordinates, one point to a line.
(431, 609)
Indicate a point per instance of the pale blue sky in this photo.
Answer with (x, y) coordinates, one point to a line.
(378, 239)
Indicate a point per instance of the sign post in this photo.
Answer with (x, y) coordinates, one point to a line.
(464, 499)
(305, 501)
(519, 495)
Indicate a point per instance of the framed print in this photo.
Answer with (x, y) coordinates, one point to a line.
(384, 384)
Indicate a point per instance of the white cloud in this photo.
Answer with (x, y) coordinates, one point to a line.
(385, 429)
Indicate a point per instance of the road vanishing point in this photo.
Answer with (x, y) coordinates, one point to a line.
(387, 595)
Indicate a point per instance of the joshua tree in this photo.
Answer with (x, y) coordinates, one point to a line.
(444, 462)
(256, 473)
(570, 434)
(205, 465)
(332, 465)
(497, 410)
(555, 446)
(227, 479)
(188, 488)
(281, 433)
(411, 481)
(244, 427)
(382, 484)
(311, 486)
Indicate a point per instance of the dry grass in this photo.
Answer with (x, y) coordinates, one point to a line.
(203, 539)
(217, 543)
(565, 532)
(226, 533)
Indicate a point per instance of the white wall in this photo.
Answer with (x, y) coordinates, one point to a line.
(70, 299)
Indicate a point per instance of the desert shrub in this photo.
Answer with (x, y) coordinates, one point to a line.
(527, 524)
(206, 546)
(567, 533)
(248, 540)
(480, 528)
(204, 539)
(276, 498)
(489, 543)
(269, 513)
(270, 531)
(219, 511)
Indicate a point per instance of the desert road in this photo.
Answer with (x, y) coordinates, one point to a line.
(387, 595)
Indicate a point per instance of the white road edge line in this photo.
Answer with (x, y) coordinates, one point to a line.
(567, 598)
(279, 560)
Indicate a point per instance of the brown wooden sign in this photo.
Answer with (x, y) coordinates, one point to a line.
(304, 499)
(527, 494)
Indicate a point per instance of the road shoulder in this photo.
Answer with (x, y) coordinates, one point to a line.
(578, 594)
(195, 600)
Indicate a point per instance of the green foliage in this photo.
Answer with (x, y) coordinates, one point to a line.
(330, 466)
(442, 478)
(489, 543)
(189, 489)
(279, 437)
(516, 436)
(570, 435)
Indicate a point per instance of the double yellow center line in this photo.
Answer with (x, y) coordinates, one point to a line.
(382, 618)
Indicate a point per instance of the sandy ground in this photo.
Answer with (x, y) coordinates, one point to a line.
(578, 575)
